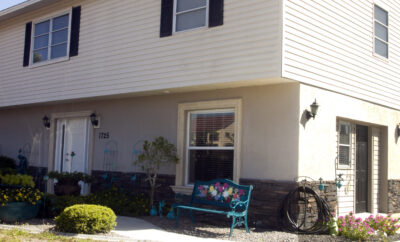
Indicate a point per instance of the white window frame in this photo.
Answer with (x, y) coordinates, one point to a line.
(344, 166)
(50, 17)
(188, 147)
(207, 7)
(376, 37)
(181, 176)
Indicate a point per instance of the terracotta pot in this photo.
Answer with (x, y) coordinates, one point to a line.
(67, 189)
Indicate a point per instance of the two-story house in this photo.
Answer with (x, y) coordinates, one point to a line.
(83, 83)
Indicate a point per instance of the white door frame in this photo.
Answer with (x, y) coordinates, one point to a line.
(52, 141)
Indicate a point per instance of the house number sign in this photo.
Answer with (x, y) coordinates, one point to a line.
(104, 135)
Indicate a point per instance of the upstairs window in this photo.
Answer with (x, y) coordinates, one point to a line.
(50, 39)
(190, 14)
(181, 15)
(381, 31)
(344, 144)
(53, 39)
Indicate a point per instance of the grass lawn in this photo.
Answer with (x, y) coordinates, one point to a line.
(18, 235)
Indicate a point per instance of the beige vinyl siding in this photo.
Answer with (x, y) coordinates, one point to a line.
(329, 44)
(120, 52)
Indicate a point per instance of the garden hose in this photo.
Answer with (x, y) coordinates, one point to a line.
(324, 211)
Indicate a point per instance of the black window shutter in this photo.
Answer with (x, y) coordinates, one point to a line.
(216, 14)
(27, 47)
(75, 26)
(167, 10)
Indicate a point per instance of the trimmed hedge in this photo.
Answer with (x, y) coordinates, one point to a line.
(86, 218)
(122, 203)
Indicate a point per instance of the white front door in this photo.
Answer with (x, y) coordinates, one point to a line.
(72, 146)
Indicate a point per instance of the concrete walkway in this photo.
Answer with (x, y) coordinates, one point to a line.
(127, 229)
(138, 229)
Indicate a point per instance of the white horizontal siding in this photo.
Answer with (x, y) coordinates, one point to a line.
(120, 52)
(330, 44)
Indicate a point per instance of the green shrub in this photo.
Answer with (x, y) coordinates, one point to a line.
(122, 203)
(85, 218)
(17, 180)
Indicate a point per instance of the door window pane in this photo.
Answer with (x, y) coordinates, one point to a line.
(344, 144)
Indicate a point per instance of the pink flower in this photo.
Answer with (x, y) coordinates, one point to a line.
(226, 185)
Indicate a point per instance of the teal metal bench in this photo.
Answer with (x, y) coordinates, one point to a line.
(222, 197)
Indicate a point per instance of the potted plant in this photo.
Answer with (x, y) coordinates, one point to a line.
(68, 182)
(18, 198)
(155, 154)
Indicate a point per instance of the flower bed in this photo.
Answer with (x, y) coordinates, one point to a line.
(358, 229)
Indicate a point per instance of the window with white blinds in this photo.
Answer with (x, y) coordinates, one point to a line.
(210, 144)
(344, 143)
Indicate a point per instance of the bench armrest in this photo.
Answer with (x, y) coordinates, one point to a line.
(243, 204)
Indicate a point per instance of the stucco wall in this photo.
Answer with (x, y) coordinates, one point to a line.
(269, 131)
(318, 147)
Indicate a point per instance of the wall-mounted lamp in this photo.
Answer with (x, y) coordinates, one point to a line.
(339, 180)
(94, 120)
(46, 122)
(314, 109)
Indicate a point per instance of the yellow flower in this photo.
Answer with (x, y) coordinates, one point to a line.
(211, 188)
(5, 196)
(230, 190)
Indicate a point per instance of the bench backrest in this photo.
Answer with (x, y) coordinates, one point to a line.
(220, 192)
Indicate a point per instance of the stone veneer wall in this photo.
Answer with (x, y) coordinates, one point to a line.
(266, 200)
(394, 196)
(268, 196)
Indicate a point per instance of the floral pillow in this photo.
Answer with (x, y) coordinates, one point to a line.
(220, 192)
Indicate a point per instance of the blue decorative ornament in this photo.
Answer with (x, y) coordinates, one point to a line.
(23, 163)
(153, 211)
(105, 176)
(171, 214)
(133, 178)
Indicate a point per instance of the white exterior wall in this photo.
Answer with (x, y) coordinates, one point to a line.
(267, 152)
(329, 44)
(120, 52)
(318, 143)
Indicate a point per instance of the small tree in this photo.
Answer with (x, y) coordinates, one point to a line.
(154, 154)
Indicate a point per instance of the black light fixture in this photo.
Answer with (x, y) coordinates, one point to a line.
(46, 122)
(314, 109)
(398, 130)
(94, 120)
